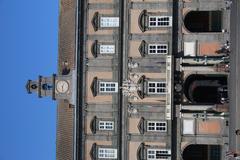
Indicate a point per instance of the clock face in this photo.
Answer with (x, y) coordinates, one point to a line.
(62, 86)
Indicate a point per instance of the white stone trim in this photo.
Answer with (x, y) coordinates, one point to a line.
(168, 110)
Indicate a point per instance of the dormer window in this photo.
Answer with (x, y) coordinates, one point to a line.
(106, 22)
(156, 87)
(160, 21)
(106, 125)
(157, 126)
(157, 49)
(107, 153)
(161, 154)
(33, 86)
(108, 87)
(107, 49)
(46, 86)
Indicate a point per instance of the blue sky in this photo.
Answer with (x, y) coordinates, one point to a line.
(28, 42)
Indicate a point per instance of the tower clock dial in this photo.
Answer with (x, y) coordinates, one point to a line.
(62, 86)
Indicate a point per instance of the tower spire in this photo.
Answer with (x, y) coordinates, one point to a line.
(55, 86)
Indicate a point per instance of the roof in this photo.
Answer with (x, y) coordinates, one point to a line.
(65, 129)
(66, 59)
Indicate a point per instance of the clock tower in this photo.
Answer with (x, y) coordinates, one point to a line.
(57, 86)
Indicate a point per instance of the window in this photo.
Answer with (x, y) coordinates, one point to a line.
(107, 153)
(204, 21)
(107, 49)
(108, 87)
(157, 126)
(156, 87)
(160, 21)
(106, 125)
(157, 49)
(154, 154)
(109, 22)
(203, 151)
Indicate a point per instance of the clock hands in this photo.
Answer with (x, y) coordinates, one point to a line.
(62, 86)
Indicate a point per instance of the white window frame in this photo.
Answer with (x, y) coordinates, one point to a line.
(108, 87)
(161, 89)
(152, 154)
(106, 125)
(160, 21)
(107, 49)
(107, 153)
(156, 126)
(106, 22)
(158, 49)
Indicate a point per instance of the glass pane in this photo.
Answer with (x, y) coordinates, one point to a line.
(152, 18)
(152, 23)
(113, 85)
(151, 84)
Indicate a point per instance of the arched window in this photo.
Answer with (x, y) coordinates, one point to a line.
(206, 89)
(203, 21)
(202, 152)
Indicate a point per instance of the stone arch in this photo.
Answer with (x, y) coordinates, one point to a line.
(203, 21)
(202, 152)
(205, 88)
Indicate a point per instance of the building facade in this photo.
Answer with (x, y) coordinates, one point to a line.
(141, 80)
